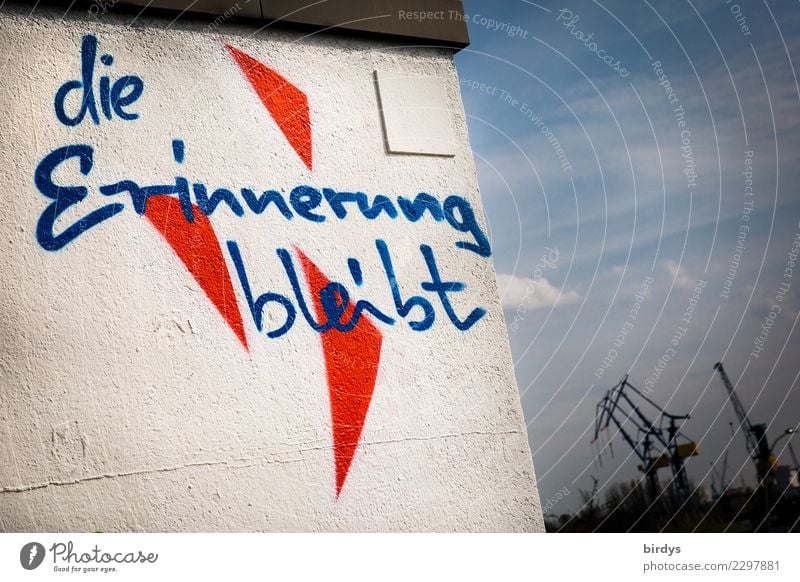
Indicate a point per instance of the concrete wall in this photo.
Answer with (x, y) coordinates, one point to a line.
(139, 389)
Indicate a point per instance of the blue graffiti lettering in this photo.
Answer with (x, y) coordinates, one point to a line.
(65, 196)
(113, 98)
(306, 201)
(335, 298)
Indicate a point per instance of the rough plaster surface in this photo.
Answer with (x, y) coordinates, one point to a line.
(126, 403)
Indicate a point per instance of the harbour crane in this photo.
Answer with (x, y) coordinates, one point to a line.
(657, 444)
(755, 434)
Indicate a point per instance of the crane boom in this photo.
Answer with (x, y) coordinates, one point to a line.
(755, 434)
(657, 443)
(741, 414)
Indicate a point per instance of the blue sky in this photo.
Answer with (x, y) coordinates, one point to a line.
(595, 184)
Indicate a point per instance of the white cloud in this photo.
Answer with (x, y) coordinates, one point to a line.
(682, 278)
(532, 293)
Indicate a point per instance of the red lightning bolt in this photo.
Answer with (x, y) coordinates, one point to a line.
(351, 363)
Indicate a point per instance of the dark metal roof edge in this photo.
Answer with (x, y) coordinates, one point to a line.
(434, 23)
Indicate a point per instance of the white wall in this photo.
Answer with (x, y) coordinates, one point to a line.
(127, 401)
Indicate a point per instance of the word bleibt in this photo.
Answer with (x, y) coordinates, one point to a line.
(335, 298)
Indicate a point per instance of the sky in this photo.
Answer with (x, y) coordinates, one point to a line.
(638, 164)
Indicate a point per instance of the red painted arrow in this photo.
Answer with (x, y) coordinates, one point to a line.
(351, 363)
(351, 358)
(287, 104)
(197, 247)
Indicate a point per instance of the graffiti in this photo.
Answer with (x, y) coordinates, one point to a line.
(334, 299)
(113, 98)
(287, 105)
(197, 247)
(351, 382)
(181, 211)
(306, 202)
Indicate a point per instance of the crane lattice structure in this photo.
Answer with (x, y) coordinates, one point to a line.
(657, 443)
(755, 434)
